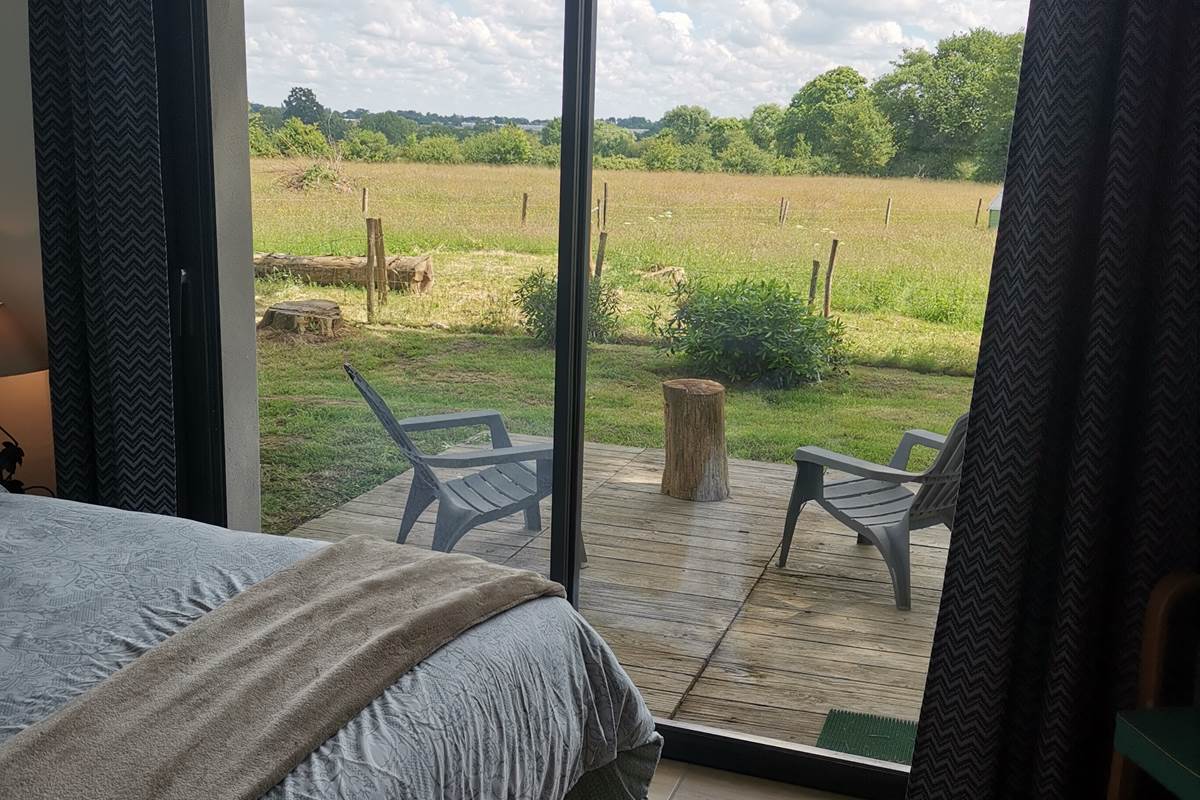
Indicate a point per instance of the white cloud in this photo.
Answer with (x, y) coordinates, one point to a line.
(505, 56)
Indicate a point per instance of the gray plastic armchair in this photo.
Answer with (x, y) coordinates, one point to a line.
(876, 503)
(513, 479)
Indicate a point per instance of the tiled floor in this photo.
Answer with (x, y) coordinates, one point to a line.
(678, 781)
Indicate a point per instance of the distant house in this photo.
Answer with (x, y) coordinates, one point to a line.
(994, 209)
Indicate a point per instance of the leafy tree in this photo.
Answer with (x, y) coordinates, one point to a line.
(272, 116)
(661, 153)
(688, 124)
(810, 113)
(260, 140)
(302, 104)
(398, 130)
(546, 155)
(508, 145)
(436, 150)
(954, 105)
(722, 131)
(552, 133)
(742, 155)
(763, 125)
(362, 144)
(295, 139)
(696, 157)
(610, 140)
(859, 137)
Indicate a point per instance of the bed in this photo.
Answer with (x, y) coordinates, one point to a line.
(530, 704)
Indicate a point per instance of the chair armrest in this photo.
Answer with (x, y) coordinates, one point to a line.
(462, 419)
(500, 455)
(855, 466)
(910, 439)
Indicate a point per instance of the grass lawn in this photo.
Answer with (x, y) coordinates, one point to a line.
(321, 446)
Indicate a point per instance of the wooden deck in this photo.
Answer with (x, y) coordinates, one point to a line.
(689, 597)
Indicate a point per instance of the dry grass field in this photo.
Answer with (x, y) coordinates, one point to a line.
(911, 292)
(911, 295)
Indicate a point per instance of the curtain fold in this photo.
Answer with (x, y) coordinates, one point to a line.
(1081, 481)
(100, 205)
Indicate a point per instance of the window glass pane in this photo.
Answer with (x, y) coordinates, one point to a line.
(433, 119)
(797, 202)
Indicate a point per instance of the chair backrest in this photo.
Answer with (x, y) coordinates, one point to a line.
(938, 494)
(392, 426)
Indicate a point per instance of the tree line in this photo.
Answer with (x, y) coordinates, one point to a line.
(941, 114)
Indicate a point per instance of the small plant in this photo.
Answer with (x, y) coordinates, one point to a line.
(536, 297)
(751, 331)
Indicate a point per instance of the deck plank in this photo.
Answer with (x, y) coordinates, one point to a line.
(690, 598)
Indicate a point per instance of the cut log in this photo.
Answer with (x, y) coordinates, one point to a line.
(405, 273)
(304, 316)
(697, 467)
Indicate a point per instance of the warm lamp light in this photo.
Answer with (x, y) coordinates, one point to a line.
(18, 356)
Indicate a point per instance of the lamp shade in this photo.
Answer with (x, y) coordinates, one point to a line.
(17, 352)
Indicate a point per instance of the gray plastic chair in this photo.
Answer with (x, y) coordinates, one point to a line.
(876, 504)
(508, 483)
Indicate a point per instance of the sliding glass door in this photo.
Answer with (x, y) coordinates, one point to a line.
(774, 252)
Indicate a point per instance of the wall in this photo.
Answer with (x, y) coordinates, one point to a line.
(231, 149)
(24, 400)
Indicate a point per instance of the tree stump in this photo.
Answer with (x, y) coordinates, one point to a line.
(697, 467)
(304, 316)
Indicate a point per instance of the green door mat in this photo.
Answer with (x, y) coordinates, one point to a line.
(867, 735)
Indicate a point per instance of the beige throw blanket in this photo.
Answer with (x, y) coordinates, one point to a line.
(228, 706)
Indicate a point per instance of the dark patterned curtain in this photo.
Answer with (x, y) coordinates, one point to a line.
(104, 250)
(1081, 484)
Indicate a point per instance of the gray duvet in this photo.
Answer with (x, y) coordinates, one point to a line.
(531, 704)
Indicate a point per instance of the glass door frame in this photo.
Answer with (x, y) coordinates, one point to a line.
(698, 744)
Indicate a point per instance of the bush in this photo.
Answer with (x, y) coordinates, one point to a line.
(759, 331)
(261, 145)
(509, 145)
(661, 154)
(616, 163)
(367, 145)
(536, 297)
(436, 150)
(546, 155)
(745, 157)
(295, 139)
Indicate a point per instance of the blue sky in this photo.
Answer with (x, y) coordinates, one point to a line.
(505, 56)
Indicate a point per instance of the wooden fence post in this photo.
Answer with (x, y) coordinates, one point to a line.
(379, 266)
(781, 202)
(604, 209)
(370, 276)
(887, 215)
(978, 209)
(524, 207)
(829, 276)
(600, 247)
(812, 285)
(366, 203)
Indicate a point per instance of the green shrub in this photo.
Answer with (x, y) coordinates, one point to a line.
(546, 155)
(261, 145)
(435, 150)
(616, 163)
(745, 157)
(294, 139)
(367, 145)
(536, 298)
(509, 145)
(751, 331)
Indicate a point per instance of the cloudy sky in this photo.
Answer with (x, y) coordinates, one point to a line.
(505, 56)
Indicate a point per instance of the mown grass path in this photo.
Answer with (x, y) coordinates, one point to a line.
(321, 446)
